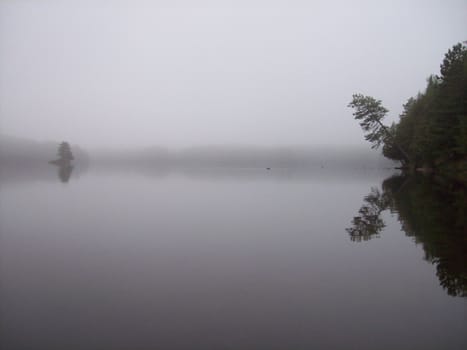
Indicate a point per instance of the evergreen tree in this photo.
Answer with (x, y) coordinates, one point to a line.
(432, 130)
(450, 108)
(64, 152)
(370, 114)
(65, 156)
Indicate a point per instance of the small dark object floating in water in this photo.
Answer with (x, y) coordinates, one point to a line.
(268, 168)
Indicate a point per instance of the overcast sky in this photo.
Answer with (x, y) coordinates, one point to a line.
(184, 72)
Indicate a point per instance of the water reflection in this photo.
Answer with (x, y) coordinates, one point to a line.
(64, 173)
(369, 223)
(233, 259)
(433, 212)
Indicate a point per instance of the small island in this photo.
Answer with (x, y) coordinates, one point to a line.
(64, 161)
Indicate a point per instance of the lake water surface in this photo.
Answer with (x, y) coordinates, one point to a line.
(224, 259)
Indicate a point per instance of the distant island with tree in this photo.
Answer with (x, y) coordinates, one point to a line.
(64, 161)
(65, 156)
(431, 134)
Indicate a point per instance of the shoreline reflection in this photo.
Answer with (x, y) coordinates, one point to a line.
(433, 212)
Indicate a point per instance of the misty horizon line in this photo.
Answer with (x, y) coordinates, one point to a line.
(195, 146)
(28, 160)
(14, 150)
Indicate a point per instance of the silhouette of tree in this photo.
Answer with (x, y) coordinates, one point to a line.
(64, 153)
(370, 113)
(65, 156)
(432, 129)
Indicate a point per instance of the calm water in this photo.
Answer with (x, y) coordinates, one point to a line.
(230, 259)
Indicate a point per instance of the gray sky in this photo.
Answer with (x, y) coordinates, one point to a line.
(181, 73)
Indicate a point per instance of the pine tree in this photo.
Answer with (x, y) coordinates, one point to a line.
(65, 156)
(64, 152)
(432, 130)
(370, 113)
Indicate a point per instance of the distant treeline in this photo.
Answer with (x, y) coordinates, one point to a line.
(23, 160)
(20, 151)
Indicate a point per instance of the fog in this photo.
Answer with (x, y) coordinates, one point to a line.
(23, 160)
(181, 73)
(180, 174)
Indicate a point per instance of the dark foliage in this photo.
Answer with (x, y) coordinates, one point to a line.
(432, 130)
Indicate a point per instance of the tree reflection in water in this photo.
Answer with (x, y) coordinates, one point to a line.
(433, 212)
(368, 224)
(64, 172)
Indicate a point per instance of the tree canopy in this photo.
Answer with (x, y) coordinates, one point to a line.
(370, 113)
(432, 129)
(65, 156)
(64, 152)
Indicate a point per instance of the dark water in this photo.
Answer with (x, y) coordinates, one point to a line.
(231, 259)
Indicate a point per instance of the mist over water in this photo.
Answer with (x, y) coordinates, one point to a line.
(188, 175)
